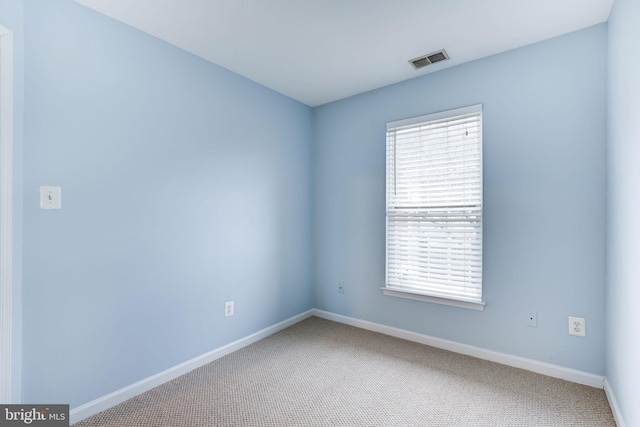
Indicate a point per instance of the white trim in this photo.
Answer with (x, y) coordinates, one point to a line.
(100, 404)
(6, 206)
(613, 403)
(543, 368)
(476, 108)
(418, 296)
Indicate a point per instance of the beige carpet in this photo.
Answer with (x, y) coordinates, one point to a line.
(321, 373)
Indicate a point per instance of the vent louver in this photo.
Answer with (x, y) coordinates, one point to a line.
(429, 59)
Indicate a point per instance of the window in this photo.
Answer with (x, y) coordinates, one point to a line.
(434, 208)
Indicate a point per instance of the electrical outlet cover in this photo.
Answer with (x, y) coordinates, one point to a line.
(577, 326)
(228, 309)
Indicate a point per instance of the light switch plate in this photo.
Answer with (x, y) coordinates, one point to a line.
(50, 197)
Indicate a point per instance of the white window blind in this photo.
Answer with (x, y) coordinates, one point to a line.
(434, 205)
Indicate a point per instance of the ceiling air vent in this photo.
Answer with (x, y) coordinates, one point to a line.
(429, 59)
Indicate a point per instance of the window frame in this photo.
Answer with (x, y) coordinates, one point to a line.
(425, 295)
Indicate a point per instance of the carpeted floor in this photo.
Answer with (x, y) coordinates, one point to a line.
(321, 373)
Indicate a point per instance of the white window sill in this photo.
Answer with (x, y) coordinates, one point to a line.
(403, 293)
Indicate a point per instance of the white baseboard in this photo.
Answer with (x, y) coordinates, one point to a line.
(100, 404)
(548, 369)
(613, 403)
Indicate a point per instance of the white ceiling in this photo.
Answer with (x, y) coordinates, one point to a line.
(318, 51)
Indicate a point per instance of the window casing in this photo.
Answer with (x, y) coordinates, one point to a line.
(434, 208)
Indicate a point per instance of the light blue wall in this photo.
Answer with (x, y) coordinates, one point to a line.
(623, 205)
(11, 17)
(183, 186)
(544, 200)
